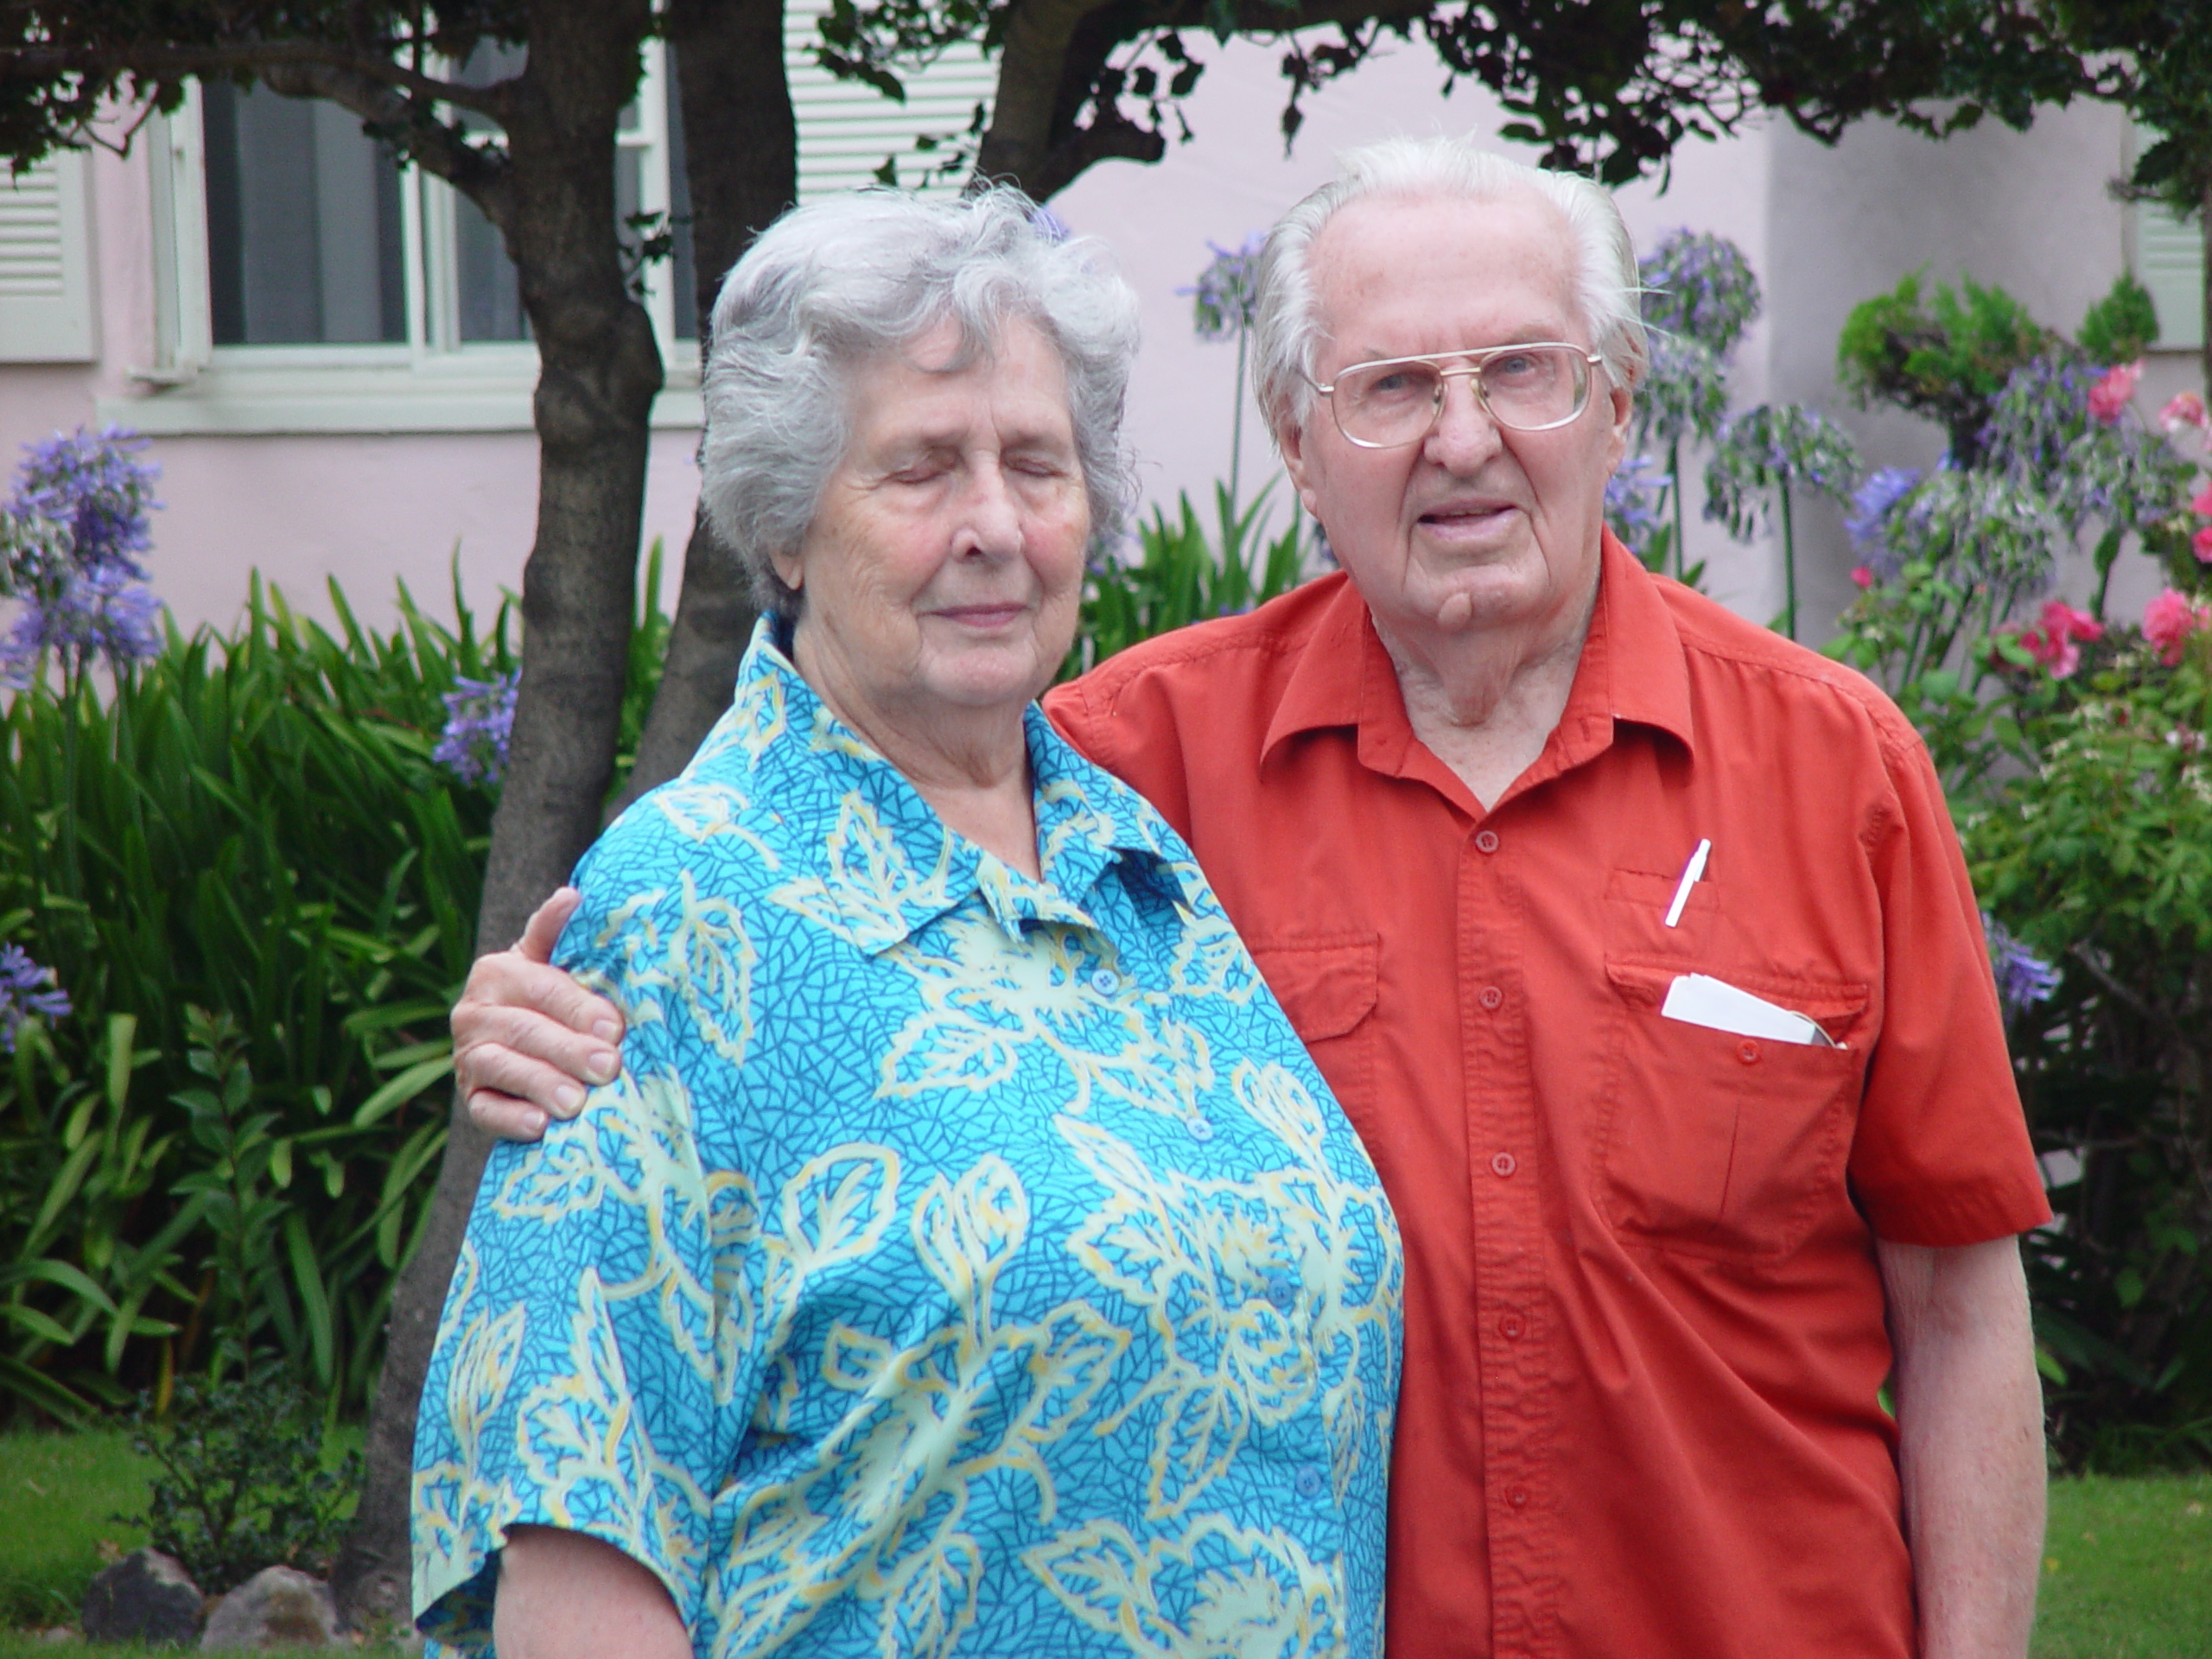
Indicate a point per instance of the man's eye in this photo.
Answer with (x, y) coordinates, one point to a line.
(1520, 366)
(1398, 383)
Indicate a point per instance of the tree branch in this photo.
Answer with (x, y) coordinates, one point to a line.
(481, 174)
(174, 62)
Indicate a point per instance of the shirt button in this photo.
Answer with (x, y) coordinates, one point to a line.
(1748, 1052)
(1518, 1496)
(1486, 840)
(1511, 1327)
(1491, 997)
(1200, 1129)
(1309, 1481)
(1502, 1165)
(1105, 982)
(1280, 1292)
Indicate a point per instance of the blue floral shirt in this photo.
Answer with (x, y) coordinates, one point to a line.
(963, 1264)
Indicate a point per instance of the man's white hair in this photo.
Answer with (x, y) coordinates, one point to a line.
(1285, 325)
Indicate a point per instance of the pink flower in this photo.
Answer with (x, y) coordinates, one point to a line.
(2054, 641)
(2185, 408)
(2063, 621)
(2202, 505)
(2201, 545)
(1864, 577)
(2169, 619)
(2108, 398)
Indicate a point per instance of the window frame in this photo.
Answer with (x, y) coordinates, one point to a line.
(432, 382)
(436, 383)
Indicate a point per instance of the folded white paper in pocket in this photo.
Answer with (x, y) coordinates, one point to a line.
(1700, 1000)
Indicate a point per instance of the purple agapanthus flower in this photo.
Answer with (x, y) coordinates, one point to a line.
(70, 537)
(480, 721)
(94, 485)
(98, 615)
(26, 990)
(1700, 287)
(1225, 290)
(1872, 506)
(2023, 977)
(1632, 496)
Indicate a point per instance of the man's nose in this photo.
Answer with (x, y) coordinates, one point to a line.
(1465, 435)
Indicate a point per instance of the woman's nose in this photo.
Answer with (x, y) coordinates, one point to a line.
(992, 520)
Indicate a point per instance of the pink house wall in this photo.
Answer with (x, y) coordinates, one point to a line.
(1824, 228)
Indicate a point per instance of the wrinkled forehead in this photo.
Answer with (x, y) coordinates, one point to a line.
(1502, 265)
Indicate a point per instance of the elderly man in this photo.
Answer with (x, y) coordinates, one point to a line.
(1493, 808)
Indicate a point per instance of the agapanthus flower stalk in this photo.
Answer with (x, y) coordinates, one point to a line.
(2023, 977)
(26, 991)
(479, 723)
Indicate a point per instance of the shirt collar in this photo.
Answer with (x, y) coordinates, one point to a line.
(886, 864)
(1632, 670)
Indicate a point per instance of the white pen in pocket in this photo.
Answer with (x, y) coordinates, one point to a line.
(1691, 873)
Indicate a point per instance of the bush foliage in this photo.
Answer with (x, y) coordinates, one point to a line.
(241, 1482)
(2077, 748)
(260, 895)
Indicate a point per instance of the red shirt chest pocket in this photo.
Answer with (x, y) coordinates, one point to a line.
(1719, 1144)
(1327, 983)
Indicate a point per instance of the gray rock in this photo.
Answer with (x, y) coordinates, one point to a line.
(146, 1597)
(277, 1607)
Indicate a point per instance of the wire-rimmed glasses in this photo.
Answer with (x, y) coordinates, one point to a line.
(1396, 400)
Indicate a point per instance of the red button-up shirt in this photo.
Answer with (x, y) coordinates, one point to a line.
(1644, 1330)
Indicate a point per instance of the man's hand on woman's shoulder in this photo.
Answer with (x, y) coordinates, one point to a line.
(527, 1039)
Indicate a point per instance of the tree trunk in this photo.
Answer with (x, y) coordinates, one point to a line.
(2204, 227)
(599, 372)
(740, 154)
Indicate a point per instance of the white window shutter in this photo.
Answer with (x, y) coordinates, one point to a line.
(2171, 254)
(847, 129)
(46, 278)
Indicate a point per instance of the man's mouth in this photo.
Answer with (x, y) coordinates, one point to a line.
(1465, 514)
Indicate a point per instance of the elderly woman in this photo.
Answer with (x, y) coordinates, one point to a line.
(967, 1257)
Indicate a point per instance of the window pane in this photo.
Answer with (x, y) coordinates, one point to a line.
(303, 224)
(683, 273)
(491, 293)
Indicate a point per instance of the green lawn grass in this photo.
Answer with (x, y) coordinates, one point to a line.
(2127, 1569)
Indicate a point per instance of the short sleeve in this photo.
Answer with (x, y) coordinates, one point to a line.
(584, 1376)
(1942, 1156)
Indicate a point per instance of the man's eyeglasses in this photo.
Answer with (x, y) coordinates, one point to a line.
(1396, 401)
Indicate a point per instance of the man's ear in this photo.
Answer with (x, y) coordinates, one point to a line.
(1290, 438)
(1623, 412)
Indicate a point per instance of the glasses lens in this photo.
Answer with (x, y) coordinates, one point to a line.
(1384, 404)
(1537, 386)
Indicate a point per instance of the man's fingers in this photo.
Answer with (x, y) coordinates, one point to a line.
(503, 1117)
(543, 930)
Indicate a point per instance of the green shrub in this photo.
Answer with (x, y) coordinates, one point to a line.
(1183, 577)
(253, 826)
(2120, 326)
(2078, 757)
(242, 1482)
(1946, 357)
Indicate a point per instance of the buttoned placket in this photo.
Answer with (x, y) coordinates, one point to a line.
(1511, 1322)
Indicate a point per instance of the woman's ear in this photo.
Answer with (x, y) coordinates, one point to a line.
(789, 569)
